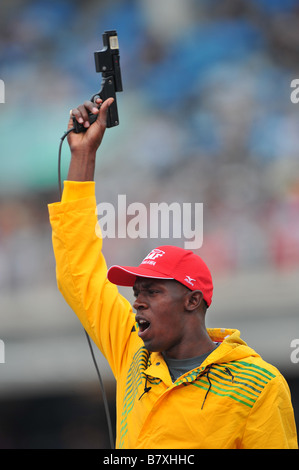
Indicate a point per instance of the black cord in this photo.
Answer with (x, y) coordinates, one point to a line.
(59, 159)
(106, 406)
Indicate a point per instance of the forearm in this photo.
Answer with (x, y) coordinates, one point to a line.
(82, 166)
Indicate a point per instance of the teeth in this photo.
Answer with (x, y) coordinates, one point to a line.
(143, 324)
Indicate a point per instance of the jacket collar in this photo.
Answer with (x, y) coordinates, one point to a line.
(232, 348)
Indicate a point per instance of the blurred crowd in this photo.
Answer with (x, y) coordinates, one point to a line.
(206, 117)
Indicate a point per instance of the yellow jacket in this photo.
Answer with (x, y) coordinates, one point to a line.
(233, 400)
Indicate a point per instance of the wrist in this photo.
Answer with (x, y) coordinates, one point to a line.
(82, 166)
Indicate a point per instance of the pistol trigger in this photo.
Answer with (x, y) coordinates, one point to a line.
(95, 96)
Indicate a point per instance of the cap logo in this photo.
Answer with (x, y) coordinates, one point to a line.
(189, 280)
(154, 254)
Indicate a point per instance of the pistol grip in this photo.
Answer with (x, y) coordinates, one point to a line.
(108, 91)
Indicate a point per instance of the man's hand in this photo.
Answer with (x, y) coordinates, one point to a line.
(84, 145)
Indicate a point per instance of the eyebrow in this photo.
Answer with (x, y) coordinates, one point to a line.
(145, 285)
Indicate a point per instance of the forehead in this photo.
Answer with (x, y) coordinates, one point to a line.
(147, 283)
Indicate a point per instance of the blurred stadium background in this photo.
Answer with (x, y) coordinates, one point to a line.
(205, 116)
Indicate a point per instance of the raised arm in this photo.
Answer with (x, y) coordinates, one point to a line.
(81, 269)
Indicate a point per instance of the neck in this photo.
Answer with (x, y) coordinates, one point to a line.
(195, 346)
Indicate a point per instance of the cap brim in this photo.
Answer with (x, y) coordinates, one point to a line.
(126, 275)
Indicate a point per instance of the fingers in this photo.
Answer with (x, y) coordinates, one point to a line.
(102, 118)
(81, 112)
(98, 107)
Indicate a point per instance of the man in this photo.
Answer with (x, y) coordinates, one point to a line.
(179, 385)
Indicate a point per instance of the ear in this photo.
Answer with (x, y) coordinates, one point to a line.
(193, 300)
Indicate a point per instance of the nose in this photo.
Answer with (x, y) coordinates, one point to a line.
(139, 303)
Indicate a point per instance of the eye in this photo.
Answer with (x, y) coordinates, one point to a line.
(147, 291)
(153, 291)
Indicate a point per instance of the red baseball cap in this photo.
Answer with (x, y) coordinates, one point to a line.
(168, 262)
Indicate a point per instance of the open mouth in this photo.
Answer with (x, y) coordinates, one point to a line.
(143, 324)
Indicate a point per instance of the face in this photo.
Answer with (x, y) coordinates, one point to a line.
(160, 314)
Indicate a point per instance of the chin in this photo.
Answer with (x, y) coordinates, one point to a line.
(152, 348)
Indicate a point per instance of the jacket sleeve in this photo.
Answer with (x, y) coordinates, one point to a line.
(271, 423)
(81, 272)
